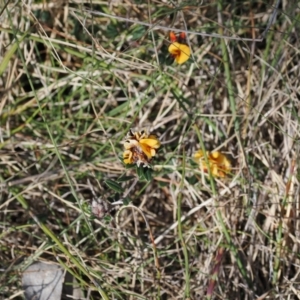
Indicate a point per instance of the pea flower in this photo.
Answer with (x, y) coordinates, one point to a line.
(140, 147)
(178, 48)
(218, 163)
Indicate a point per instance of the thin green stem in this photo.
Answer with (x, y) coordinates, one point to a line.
(180, 233)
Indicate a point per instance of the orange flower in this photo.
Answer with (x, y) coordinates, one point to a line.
(179, 49)
(140, 148)
(218, 163)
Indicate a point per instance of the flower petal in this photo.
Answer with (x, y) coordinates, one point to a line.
(149, 145)
(127, 157)
(150, 152)
(218, 163)
(198, 154)
(173, 37)
(151, 142)
(140, 147)
(180, 52)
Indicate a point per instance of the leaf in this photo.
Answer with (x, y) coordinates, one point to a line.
(144, 173)
(111, 31)
(148, 174)
(137, 32)
(114, 185)
(164, 57)
(163, 184)
(125, 178)
(10, 52)
(140, 173)
(192, 180)
(43, 16)
(126, 201)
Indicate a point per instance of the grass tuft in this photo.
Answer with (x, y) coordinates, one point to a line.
(75, 78)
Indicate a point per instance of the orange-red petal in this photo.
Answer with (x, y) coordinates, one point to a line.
(173, 37)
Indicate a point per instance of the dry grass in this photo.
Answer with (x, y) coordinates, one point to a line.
(72, 85)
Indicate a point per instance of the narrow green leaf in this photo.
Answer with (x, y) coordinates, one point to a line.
(9, 53)
(137, 32)
(114, 185)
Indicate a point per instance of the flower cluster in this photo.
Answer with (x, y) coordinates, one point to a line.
(217, 162)
(178, 48)
(140, 147)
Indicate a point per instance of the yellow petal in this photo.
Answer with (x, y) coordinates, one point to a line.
(198, 154)
(147, 150)
(218, 163)
(174, 48)
(221, 159)
(149, 145)
(180, 52)
(151, 142)
(216, 155)
(214, 170)
(127, 157)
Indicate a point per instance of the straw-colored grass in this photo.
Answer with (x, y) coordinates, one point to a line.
(75, 77)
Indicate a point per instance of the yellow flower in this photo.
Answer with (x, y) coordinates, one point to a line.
(180, 52)
(140, 148)
(218, 163)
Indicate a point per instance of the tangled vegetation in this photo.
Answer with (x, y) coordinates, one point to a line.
(151, 148)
